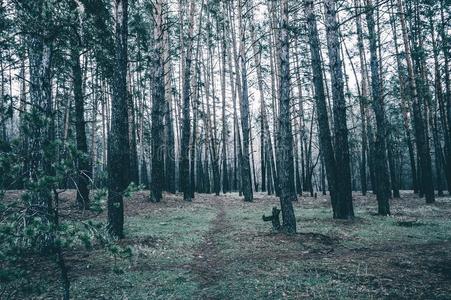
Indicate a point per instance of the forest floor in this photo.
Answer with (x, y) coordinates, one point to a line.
(218, 247)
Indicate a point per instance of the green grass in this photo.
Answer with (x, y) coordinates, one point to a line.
(175, 233)
(327, 259)
(164, 284)
(275, 280)
(161, 244)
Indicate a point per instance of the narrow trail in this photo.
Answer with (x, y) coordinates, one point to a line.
(207, 263)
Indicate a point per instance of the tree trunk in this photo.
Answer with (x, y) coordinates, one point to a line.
(235, 128)
(285, 151)
(118, 143)
(24, 138)
(299, 144)
(244, 109)
(225, 132)
(214, 153)
(168, 114)
(325, 139)
(195, 85)
(345, 208)
(422, 142)
(392, 167)
(405, 107)
(192, 152)
(380, 155)
(445, 50)
(184, 165)
(94, 126)
(440, 99)
(80, 129)
(40, 57)
(158, 105)
(363, 100)
(252, 155)
(264, 125)
(134, 169)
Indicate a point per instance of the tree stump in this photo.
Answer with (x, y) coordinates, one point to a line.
(274, 218)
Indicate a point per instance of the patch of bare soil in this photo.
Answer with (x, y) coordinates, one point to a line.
(207, 261)
(406, 271)
(284, 248)
(399, 271)
(391, 270)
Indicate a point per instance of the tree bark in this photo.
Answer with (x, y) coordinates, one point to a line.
(440, 99)
(211, 128)
(80, 129)
(363, 100)
(118, 140)
(325, 139)
(168, 114)
(345, 208)
(158, 106)
(285, 149)
(380, 155)
(422, 142)
(405, 107)
(244, 109)
(184, 165)
(225, 132)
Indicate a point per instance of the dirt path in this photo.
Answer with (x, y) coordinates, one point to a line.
(208, 261)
